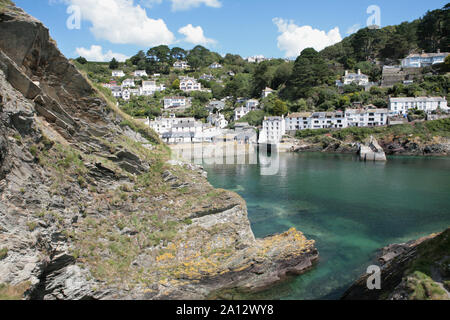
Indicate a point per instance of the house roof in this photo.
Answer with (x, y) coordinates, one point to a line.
(407, 99)
(300, 115)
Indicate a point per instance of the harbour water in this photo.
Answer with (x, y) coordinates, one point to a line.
(351, 208)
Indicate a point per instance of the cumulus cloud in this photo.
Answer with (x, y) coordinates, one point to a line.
(354, 28)
(195, 35)
(123, 22)
(95, 53)
(294, 39)
(178, 5)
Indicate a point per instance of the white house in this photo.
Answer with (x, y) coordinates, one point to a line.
(207, 77)
(140, 73)
(357, 78)
(188, 84)
(118, 73)
(215, 105)
(274, 128)
(424, 59)
(252, 104)
(240, 113)
(218, 120)
(180, 65)
(328, 120)
(267, 92)
(175, 102)
(256, 59)
(427, 104)
(215, 65)
(298, 121)
(128, 83)
(116, 91)
(173, 124)
(367, 117)
(150, 87)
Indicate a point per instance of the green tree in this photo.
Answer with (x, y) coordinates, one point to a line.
(81, 60)
(114, 64)
(280, 108)
(310, 70)
(175, 84)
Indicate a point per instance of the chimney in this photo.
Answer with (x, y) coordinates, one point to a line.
(346, 72)
(359, 71)
(439, 51)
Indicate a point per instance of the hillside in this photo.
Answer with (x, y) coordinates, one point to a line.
(428, 33)
(91, 205)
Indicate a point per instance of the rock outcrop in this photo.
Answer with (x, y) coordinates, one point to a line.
(92, 208)
(371, 151)
(417, 270)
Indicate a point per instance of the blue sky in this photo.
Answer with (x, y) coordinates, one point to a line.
(279, 28)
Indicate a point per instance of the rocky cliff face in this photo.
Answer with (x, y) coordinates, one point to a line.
(92, 208)
(417, 270)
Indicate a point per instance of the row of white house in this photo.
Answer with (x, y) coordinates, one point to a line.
(401, 106)
(129, 88)
(275, 127)
(424, 59)
(174, 130)
(137, 73)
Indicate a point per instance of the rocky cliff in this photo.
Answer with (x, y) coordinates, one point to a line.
(417, 270)
(91, 207)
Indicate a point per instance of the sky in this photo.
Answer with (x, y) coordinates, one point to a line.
(102, 29)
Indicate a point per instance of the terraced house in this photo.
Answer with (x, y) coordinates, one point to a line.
(188, 84)
(328, 120)
(424, 59)
(401, 106)
(367, 117)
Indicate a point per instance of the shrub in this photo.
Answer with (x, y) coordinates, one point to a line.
(3, 253)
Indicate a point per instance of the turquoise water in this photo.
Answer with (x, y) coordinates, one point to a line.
(350, 208)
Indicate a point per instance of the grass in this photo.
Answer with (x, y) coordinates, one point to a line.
(4, 3)
(422, 287)
(10, 292)
(105, 94)
(3, 253)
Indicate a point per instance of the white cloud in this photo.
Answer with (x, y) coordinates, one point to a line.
(178, 5)
(294, 39)
(123, 22)
(95, 53)
(354, 28)
(150, 3)
(195, 35)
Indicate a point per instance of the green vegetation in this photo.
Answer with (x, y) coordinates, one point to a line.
(394, 42)
(4, 3)
(422, 287)
(254, 118)
(306, 84)
(3, 253)
(10, 292)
